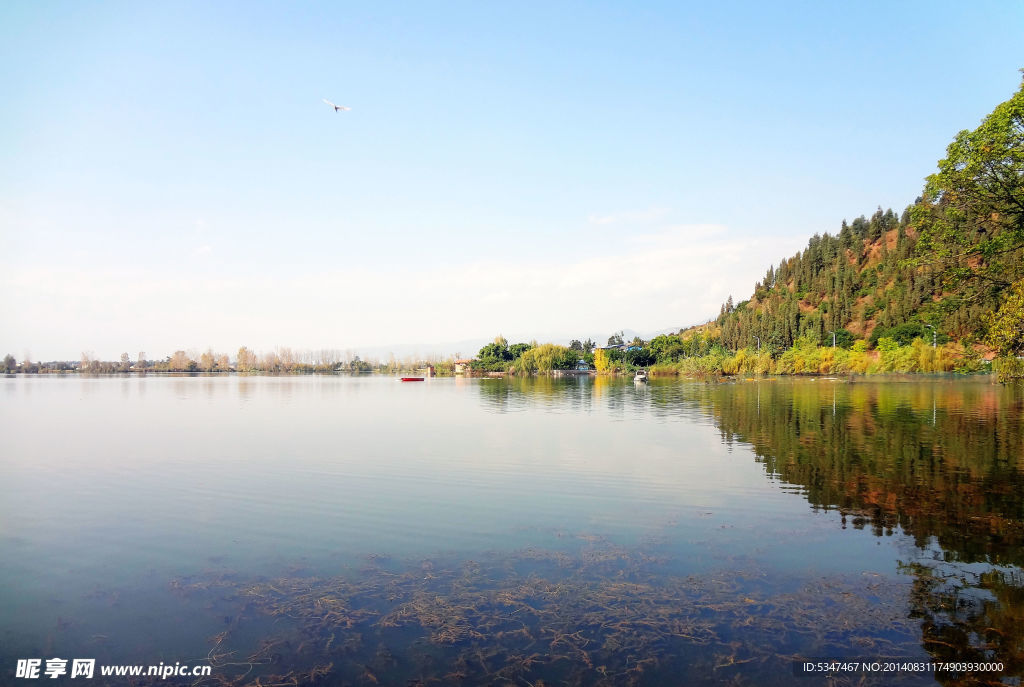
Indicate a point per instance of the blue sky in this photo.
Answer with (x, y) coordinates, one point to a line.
(169, 177)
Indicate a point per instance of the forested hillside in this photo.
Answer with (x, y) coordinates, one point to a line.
(857, 283)
(950, 267)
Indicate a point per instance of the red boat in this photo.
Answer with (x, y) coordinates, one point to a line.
(412, 379)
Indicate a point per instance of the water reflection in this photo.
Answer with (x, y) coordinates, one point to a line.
(609, 523)
(942, 461)
(872, 451)
(562, 394)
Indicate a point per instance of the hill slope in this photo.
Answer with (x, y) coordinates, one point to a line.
(857, 283)
(951, 266)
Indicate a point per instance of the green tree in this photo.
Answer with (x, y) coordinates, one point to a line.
(516, 350)
(545, 358)
(10, 364)
(971, 216)
(641, 357)
(667, 347)
(496, 351)
(844, 338)
(1006, 327)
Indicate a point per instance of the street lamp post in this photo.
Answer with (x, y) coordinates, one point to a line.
(758, 342)
(933, 334)
(833, 339)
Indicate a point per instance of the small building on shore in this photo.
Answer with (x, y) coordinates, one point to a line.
(462, 366)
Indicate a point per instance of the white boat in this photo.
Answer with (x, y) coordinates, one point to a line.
(640, 376)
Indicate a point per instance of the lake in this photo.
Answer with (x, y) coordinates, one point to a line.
(358, 530)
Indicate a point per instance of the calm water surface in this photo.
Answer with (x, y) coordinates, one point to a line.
(338, 530)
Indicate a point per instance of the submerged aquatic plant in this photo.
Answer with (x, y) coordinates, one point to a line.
(597, 615)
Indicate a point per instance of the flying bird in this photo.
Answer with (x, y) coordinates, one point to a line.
(337, 108)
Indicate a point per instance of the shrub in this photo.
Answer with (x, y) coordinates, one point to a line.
(545, 358)
(1008, 367)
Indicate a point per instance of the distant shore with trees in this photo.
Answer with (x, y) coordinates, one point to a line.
(695, 352)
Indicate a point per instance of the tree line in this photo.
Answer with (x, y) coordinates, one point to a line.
(280, 360)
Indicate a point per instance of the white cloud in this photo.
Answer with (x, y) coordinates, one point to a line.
(677, 276)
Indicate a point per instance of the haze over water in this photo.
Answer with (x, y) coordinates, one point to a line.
(135, 512)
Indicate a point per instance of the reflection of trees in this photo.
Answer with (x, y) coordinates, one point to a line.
(970, 617)
(945, 462)
(878, 454)
(519, 393)
(495, 394)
